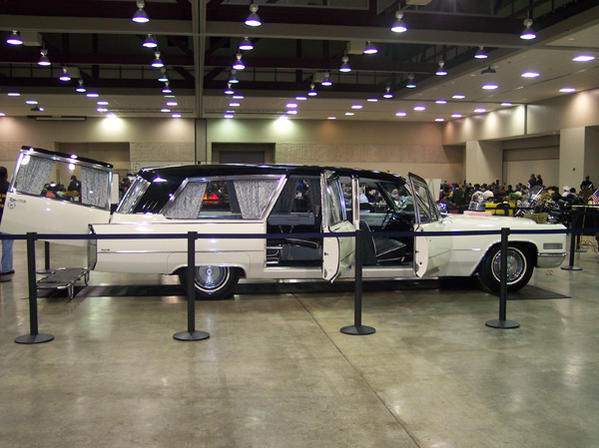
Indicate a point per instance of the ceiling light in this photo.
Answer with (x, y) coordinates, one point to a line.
(488, 71)
(332, 118)
(157, 62)
(102, 103)
(228, 115)
(13, 93)
(490, 86)
(232, 78)
(237, 97)
(349, 114)
(92, 94)
(165, 110)
(479, 110)
(530, 74)
(459, 96)
(166, 88)
(44, 61)
(456, 115)
(372, 100)
(441, 101)
(169, 96)
(172, 103)
(370, 48)
(583, 58)
(326, 82)
(345, 68)
(101, 109)
(253, 19)
(411, 84)
(357, 106)
(420, 107)
(14, 38)
(506, 104)
(292, 112)
(176, 115)
(439, 119)
(567, 89)
(238, 64)
(2, 114)
(301, 98)
(140, 15)
(528, 33)
(312, 91)
(388, 95)
(80, 88)
(245, 44)
(401, 113)
(441, 70)
(37, 109)
(31, 102)
(399, 26)
(149, 42)
(291, 105)
(481, 54)
(64, 76)
(234, 104)
(162, 77)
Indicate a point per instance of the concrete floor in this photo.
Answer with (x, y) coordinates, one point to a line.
(276, 372)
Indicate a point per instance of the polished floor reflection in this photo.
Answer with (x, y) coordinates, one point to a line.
(277, 372)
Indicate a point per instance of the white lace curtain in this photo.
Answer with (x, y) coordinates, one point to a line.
(94, 187)
(253, 196)
(33, 175)
(188, 202)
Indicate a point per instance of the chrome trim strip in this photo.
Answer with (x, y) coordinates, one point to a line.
(170, 252)
(550, 260)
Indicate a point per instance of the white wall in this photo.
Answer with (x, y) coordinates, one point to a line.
(483, 161)
(539, 155)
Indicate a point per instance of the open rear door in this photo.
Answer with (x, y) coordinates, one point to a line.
(430, 252)
(56, 193)
(338, 252)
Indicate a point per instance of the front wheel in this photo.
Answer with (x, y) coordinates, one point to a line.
(519, 268)
(212, 282)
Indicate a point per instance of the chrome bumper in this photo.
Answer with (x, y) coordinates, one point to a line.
(550, 260)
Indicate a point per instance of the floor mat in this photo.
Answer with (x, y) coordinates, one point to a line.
(530, 292)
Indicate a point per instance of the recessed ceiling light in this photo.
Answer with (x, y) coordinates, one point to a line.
(490, 86)
(439, 119)
(332, 118)
(456, 115)
(420, 107)
(237, 97)
(165, 110)
(291, 105)
(356, 106)
(13, 93)
(31, 102)
(441, 101)
(459, 96)
(2, 114)
(102, 103)
(172, 103)
(401, 113)
(349, 114)
(92, 94)
(372, 100)
(567, 89)
(228, 115)
(176, 115)
(583, 58)
(169, 96)
(506, 104)
(479, 110)
(234, 104)
(101, 109)
(530, 74)
(292, 112)
(301, 98)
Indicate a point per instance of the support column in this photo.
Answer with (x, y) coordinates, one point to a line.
(483, 161)
(202, 154)
(571, 156)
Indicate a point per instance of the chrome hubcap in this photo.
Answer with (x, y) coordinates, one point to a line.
(516, 265)
(210, 277)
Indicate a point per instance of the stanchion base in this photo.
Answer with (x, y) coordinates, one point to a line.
(571, 268)
(358, 331)
(34, 338)
(503, 324)
(187, 336)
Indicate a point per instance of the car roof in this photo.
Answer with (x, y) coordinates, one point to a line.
(234, 169)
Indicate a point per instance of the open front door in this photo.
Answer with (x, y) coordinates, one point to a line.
(338, 252)
(430, 252)
(56, 193)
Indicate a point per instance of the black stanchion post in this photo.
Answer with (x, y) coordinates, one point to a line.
(47, 269)
(571, 266)
(357, 329)
(191, 334)
(34, 337)
(502, 322)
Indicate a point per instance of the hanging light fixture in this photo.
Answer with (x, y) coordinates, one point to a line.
(238, 64)
(157, 62)
(14, 38)
(253, 19)
(150, 42)
(80, 87)
(312, 91)
(441, 70)
(528, 33)
(326, 82)
(411, 84)
(140, 15)
(166, 88)
(246, 44)
(44, 61)
(345, 68)
(388, 95)
(64, 76)
(232, 78)
(229, 90)
(370, 48)
(162, 77)
(480, 53)
(399, 26)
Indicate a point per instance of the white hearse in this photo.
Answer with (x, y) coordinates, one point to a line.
(266, 199)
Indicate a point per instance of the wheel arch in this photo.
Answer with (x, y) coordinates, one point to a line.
(529, 247)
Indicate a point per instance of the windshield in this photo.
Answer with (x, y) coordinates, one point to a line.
(426, 209)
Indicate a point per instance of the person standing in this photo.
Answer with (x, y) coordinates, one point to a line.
(6, 244)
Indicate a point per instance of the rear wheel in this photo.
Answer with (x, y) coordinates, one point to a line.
(519, 268)
(212, 282)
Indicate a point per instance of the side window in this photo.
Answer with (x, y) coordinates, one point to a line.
(400, 196)
(133, 194)
(334, 196)
(425, 206)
